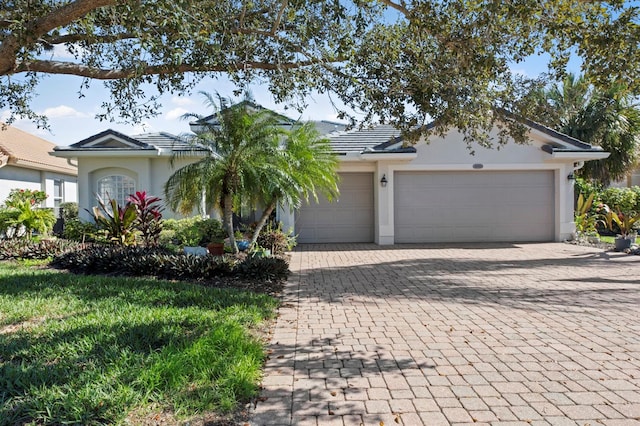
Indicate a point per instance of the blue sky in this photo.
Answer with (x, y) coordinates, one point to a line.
(72, 118)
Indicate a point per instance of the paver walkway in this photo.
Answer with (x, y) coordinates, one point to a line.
(541, 334)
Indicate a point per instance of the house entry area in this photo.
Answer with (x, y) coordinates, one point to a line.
(348, 219)
(497, 206)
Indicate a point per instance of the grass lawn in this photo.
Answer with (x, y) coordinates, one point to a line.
(93, 350)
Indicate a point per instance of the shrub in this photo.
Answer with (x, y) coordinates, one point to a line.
(276, 240)
(162, 263)
(263, 268)
(78, 230)
(194, 231)
(622, 199)
(149, 217)
(44, 249)
(21, 216)
(69, 211)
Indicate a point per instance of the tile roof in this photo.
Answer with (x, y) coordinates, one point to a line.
(162, 140)
(325, 127)
(359, 140)
(23, 149)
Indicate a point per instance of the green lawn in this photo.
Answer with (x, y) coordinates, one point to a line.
(90, 350)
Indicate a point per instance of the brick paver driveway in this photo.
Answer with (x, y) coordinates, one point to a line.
(543, 334)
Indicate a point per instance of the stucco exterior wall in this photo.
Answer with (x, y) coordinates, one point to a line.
(148, 173)
(451, 153)
(12, 177)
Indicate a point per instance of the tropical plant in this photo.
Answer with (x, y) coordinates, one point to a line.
(303, 166)
(585, 221)
(625, 222)
(21, 215)
(117, 222)
(236, 145)
(275, 239)
(608, 118)
(149, 216)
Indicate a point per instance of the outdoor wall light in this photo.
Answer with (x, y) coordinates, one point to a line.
(383, 181)
(571, 176)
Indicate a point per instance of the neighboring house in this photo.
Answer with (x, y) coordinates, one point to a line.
(26, 163)
(430, 192)
(632, 179)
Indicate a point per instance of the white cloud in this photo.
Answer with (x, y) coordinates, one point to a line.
(181, 101)
(175, 113)
(519, 71)
(60, 51)
(63, 111)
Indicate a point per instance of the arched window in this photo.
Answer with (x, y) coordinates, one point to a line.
(116, 187)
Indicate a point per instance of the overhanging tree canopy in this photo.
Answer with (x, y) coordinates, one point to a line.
(402, 61)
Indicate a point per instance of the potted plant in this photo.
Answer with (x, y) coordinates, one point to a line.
(211, 235)
(216, 243)
(624, 223)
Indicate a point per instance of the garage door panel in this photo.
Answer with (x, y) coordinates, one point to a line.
(474, 206)
(348, 219)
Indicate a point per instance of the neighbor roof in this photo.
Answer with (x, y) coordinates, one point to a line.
(23, 149)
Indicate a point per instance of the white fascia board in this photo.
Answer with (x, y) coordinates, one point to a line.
(70, 153)
(565, 157)
(401, 156)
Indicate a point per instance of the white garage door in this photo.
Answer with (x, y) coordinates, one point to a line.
(474, 206)
(348, 219)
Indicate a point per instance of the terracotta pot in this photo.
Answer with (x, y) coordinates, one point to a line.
(216, 249)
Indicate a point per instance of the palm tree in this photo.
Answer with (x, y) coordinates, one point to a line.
(246, 154)
(304, 165)
(608, 119)
(236, 150)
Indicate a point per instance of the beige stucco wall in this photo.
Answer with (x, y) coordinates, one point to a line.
(12, 177)
(451, 153)
(149, 174)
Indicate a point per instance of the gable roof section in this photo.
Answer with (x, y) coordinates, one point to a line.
(111, 142)
(110, 139)
(23, 149)
(213, 118)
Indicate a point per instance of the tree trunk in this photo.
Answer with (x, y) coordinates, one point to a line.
(228, 221)
(263, 219)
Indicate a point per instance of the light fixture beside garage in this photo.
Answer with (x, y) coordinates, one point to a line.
(383, 181)
(571, 177)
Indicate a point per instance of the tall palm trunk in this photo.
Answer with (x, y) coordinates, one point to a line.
(263, 219)
(228, 220)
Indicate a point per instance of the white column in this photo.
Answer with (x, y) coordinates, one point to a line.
(383, 198)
